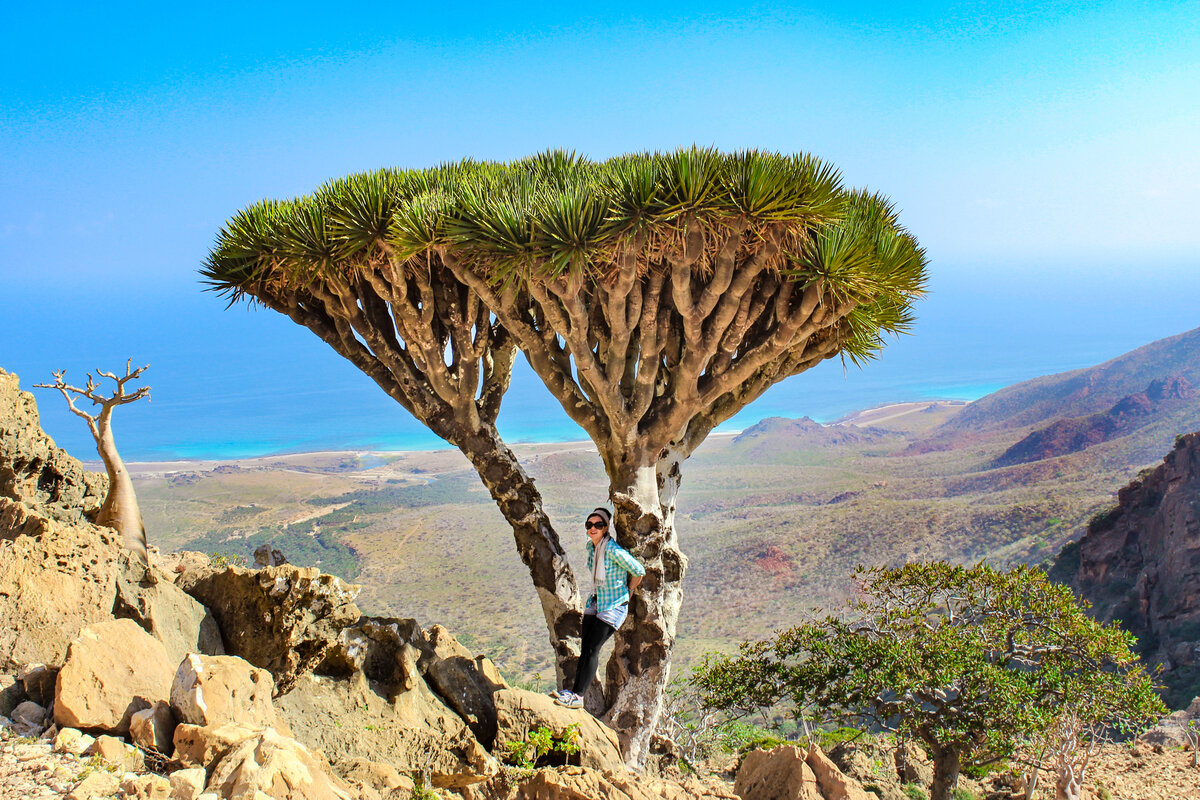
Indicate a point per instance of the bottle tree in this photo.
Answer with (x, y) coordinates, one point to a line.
(655, 295)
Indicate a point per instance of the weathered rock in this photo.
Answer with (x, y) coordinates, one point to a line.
(363, 777)
(782, 773)
(112, 670)
(913, 765)
(872, 764)
(283, 619)
(216, 690)
(154, 728)
(30, 719)
(38, 682)
(581, 783)
(55, 579)
(124, 756)
(414, 731)
(1138, 563)
(279, 767)
(518, 712)
(146, 787)
(187, 784)
(70, 740)
(174, 565)
(833, 783)
(199, 747)
(267, 556)
(12, 694)
(463, 684)
(35, 472)
(166, 612)
(97, 784)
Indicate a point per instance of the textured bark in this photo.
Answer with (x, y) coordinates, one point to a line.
(120, 507)
(434, 349)
(640, 666)
(946, 766)
(1068, 785)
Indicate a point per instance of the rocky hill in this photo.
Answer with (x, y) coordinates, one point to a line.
(1140, 563)
(1084, 391)
(1078, 433)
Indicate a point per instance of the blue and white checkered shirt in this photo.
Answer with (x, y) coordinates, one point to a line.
(618, 566)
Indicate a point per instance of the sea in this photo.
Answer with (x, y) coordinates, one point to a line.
(242, 382)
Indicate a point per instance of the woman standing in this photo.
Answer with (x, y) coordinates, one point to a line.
(615, 573)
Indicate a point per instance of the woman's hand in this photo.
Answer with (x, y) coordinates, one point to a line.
(634, 582)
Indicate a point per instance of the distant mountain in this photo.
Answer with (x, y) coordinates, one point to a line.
(775, 432)
(1078, 433)
(1081, 392)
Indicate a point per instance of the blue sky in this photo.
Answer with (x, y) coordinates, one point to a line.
(1034, 144)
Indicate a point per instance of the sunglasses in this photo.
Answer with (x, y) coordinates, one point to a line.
(587, 526)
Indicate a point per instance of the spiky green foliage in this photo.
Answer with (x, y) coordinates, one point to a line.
(554, 242)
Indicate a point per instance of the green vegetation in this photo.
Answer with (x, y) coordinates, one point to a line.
(543, 742)
(318, 548)
(975, 663)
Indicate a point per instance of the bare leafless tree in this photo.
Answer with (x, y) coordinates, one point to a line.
(120, 507)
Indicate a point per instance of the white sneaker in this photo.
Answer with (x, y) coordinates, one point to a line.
(569, 700)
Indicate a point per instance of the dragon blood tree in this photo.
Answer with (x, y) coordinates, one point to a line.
(655, 295)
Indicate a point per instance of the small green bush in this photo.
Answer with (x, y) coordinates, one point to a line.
(915, 792)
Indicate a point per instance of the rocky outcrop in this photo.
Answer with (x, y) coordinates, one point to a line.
(519, 712)
(778, 774)
(55, 579)
(1140, 564)
(166, 612)
(277, 766)
(33, 471)
(283, 619)
(111, 671)
(217, 690)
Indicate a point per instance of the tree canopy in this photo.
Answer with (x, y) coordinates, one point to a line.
(971, 661)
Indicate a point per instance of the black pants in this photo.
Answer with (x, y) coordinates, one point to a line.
(595, 633)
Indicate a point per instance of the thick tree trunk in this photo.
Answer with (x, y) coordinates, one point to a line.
(1069, 783)
(537, 543)
(120, 508)
(946, 766)
(640, 666)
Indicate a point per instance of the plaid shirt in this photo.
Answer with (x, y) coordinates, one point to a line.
(618, 563)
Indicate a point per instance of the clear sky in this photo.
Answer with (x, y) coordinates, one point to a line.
(1021, 140)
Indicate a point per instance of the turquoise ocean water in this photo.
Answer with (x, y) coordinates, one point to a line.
(240, 383)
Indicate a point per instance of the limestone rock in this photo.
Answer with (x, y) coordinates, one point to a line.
(187, 784)
(518, 712)
(30, 719)
(38, 682)
(460, 680)
(12, 694)
(778, 774)
(35, 472)
(833, 783)
(215, 690)
(283, 619)
(166, 612)
(154, 728)
(365, 777)
(279, 767)
(55, 579)
(196, 746)
(175, 565)
(124, 756)
(112, 670)
(147, 787)
(96, 785)
(70, 740)
(412, 730)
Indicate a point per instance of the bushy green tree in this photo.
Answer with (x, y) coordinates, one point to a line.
(654, 294)
(973, 662)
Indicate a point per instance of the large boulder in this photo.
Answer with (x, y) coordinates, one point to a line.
(216, 690)
(782, 773)
(55, 579)
(197, 746)
(112, 669)
(36, 473)
(834, 784)
(466, 683)
(166, 612)
(349, 718)
(518, 712)
(283, 619)
(277, 766)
